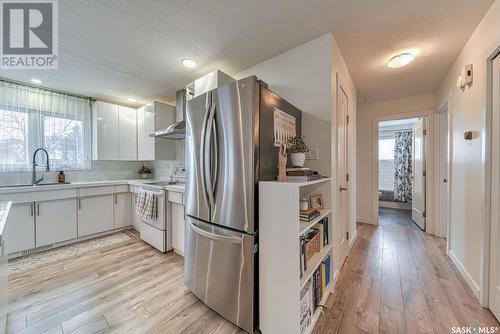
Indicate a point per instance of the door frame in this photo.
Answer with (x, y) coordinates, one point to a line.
(449, 138)
(336, 185)
(429, 149)
(484, 289)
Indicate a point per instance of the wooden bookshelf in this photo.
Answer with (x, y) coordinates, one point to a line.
(280, 228)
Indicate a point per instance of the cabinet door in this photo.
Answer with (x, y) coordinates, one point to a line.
(149, 124)
(20, 228)
(127, 134)
(105, 139)
(178, 227)
(95, 214)
(123, 210)
(141, 133)
(55, 221)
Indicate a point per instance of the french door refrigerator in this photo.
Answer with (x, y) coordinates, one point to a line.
(230, 147)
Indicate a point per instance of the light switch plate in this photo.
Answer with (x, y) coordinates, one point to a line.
(313, 154)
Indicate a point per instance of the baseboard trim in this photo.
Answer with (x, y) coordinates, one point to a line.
(465, 274)
(364, 220)
(353, 238)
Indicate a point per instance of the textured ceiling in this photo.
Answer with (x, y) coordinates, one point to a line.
(115, 49)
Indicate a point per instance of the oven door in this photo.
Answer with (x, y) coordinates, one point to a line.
(160, 222)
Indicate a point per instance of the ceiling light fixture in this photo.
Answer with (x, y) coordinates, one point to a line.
(188, 62)
(36, 81)
(401, 60)
(129, 99)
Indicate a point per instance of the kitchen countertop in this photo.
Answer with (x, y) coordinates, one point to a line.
(4, 212)
(136, 182)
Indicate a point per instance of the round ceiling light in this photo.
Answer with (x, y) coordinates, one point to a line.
(188, 62)
(36, 81)
(401, 60)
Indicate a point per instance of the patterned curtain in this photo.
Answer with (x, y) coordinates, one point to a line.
(402, 165)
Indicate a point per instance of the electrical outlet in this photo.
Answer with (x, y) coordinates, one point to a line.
(313, 154)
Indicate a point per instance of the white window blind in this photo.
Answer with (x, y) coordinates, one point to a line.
(34, 117)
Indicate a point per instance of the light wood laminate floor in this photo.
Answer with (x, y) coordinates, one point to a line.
(129, 287)
(398, 279)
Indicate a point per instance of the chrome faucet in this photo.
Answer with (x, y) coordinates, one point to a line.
(34, 181)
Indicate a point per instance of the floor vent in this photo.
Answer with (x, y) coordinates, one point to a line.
(34, 250)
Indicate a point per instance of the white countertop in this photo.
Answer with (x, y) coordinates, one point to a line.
(73, 185)
(4, 213)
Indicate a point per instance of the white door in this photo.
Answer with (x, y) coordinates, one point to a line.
(55, 221)
(443, 171)
(494, 286)
(123, 210)
(95, 214)
(105, 134)
(127, 134)
(342, 156)
(20, 228)
(418, 174)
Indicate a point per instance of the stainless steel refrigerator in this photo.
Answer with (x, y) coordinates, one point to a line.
(230, 147)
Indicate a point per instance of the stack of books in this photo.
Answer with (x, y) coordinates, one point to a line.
(302, 174)
(308, 215)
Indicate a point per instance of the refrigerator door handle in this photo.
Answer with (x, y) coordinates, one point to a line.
(214, 236)
(203, 157)
(207, 156)
(216, 154)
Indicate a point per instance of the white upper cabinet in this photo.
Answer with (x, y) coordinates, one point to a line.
(105, 131)
(114, 132)
(145, 126)
(127, 133)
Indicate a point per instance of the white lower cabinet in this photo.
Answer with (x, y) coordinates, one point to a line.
(55, 221)
(20, 228)
(123, 210)
(95, 214)
(177, 212)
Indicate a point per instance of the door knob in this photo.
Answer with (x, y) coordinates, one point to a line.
(445, 180)
(343, 189)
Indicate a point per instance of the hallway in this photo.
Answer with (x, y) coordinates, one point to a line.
(397, 279)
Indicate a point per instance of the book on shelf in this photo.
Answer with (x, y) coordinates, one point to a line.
(304, 178)
(299, 172)
(310, 217)
(297, 169)
(323, 276)
(324, 222)
(326, 263)
(305, 307)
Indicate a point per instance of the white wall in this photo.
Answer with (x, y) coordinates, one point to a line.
(306, 76)
(302, 76)
(468, 112)
(367, 113)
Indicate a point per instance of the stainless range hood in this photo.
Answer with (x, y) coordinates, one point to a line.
(177, 130)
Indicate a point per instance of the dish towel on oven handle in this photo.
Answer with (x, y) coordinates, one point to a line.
(146, 204)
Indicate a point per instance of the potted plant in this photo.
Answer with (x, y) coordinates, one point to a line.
(298, 150)
(144, 172)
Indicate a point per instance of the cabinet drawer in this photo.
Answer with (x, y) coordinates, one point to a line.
(176, 197)
(93, 191)
(122, 188)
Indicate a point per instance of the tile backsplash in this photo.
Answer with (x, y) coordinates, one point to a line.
(101, 171)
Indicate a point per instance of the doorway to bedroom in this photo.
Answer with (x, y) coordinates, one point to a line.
(401, 171)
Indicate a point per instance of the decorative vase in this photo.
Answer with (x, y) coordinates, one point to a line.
(146, 176)
(298, 159)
